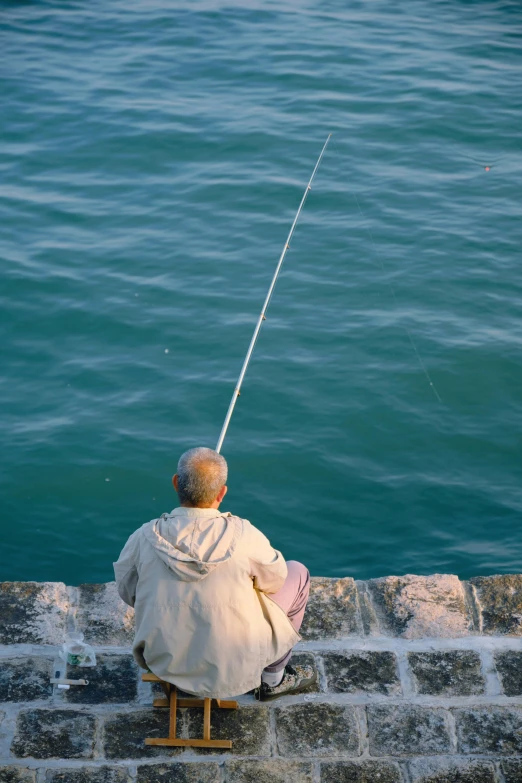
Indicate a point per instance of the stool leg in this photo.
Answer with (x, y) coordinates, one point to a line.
(206, 719)
(173, 708)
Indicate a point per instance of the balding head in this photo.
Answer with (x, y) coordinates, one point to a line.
(201, 477)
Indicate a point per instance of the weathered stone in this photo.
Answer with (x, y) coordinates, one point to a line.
(331, 612)
(500, 600)
(360, 772)
(509, 666)
(397, 730)
(247, 727)
(369, 619)
(422, 606)
(157, 692)
(447, 672)
(306, 659)
(125, 732)
(25, 679)
(176, 772)
(451, 771)
(88, 775)
(113, 680)
(317, 730)
(103, 616)
(489, 730)
(512, 770)
(267, 771)
(371, 672)
(12, 774)
(45, 734)
(33, 612)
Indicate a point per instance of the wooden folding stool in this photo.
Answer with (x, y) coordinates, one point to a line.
(173, 702)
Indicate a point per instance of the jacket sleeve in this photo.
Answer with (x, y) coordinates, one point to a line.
(126, 570)
(267, 566)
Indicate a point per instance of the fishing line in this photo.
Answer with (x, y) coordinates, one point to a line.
(262, 316)
(412, 341)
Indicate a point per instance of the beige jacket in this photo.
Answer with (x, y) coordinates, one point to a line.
(198, 580)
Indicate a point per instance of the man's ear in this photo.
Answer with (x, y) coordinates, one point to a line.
(175, 481)
(222, 492)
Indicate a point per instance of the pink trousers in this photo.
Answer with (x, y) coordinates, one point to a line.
(292, 598)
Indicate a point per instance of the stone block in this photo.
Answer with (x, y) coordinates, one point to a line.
(369, 619)
(307, 659)
(512, 770)
(500, 602)
(509, 666)
(360, 772)
(397, 730)
(45, 734)
(489, 730)
(113, 680)
(13, 774)
(267, 771)
(331, 612)
(33, 612)
(317, 730)
(124, 734)
(247, 727)
(103, 616)
(88, 775)
(415, 607)
(447, 672)
(25, 679)
(370, 672)
(177, 772)
(451, 771)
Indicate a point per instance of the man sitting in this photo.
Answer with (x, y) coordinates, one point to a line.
(217, 608)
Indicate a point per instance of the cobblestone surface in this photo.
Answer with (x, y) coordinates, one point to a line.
(331, 610)
(512, 770)
(174, 772)
(268, 771)
(114, 680)
(500, 598)
(317, 730)
(124, 734)
(45, 734)
(448, 673)
(407, 730)
(33, 612)
(25, 679)
(88, 775)
(371, 672)
(509, 666)
(15, 774)
(103, 616)
(451, 771)
(489, 730)
(248, 728)
(360, 772)
(415, 606)
(420, 681)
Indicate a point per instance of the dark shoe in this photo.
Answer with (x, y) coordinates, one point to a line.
(295, 680)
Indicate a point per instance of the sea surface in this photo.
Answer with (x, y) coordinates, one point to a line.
(152, 157)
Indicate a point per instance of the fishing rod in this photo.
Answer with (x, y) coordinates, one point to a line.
(262, 316)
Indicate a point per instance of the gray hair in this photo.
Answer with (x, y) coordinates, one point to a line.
(201, 474)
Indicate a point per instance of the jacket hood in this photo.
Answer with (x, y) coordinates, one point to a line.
(192, 542)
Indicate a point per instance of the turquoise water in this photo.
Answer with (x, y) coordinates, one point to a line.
(152, 157)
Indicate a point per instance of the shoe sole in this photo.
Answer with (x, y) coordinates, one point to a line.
(294, 691)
